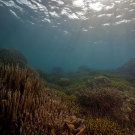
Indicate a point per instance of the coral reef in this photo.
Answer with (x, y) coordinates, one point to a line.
(17, 90)
(70, 101)
(64, 82)
(27, 107)
(101, 126)
(80, 104)
(49, 114)
(98, 82)
(101, 102)
(10, 56)
(74, 126)
(110, 103)
(56, 74)
(42, 74)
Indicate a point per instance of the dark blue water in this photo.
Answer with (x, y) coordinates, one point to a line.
(69, 33)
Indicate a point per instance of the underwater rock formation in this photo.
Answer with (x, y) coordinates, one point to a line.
(56, 74)
(83, 68)
(64, 82)
(58, 71)
(42, 74)
(11, 56)
(98, 82)
(128, 68)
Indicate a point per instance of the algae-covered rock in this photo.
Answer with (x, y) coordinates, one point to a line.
(83, 68)
(58, 71)
(97, 82)
(63, 82)
(42, 74)
(128, 68)
(11, 56)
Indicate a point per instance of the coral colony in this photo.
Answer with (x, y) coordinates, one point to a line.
(86, 102)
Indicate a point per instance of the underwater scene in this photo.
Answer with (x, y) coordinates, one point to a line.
(67, 67)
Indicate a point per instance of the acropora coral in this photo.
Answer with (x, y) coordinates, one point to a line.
(101, 102)
(101, 126)
(27, 107)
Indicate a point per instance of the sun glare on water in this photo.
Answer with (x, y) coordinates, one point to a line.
(78, 3)
(96, 6)
(93, 5)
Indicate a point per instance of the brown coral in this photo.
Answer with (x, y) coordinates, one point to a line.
(74, 126)
(27, 107)
(101, 102)
(17, 90)
(101, 126)
(112, 104)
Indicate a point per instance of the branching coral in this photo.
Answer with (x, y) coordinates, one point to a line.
(27, 107)
(70, 101)
(15, 78)
(101, 102)
(18, 87)
(48, 114)
(110, 103)
(101, 126)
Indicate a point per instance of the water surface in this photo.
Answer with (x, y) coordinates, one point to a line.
(69, 33)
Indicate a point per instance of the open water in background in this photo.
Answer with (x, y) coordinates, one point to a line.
(69, 33)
